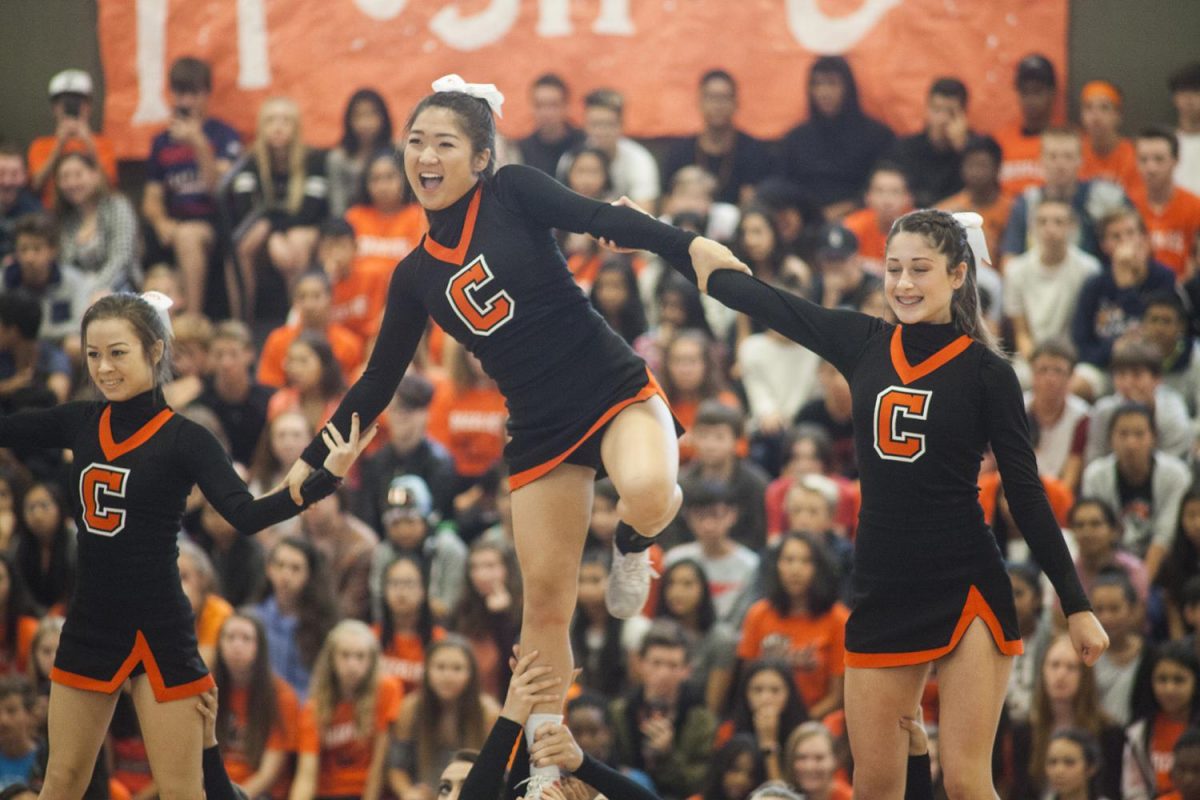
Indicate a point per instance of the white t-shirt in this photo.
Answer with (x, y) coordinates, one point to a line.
(1046, 296)
(634, 172)
(779, 376)
(1054, 442)
(1187, 171)
(728, 576)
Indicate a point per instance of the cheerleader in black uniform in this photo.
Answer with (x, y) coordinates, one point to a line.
(930, 395)
(490, 273)
(135, 462)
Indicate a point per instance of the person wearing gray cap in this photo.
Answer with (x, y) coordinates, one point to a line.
(840, 280)
(410, 526)
(71, 101)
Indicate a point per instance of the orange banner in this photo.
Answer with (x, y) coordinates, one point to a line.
(654, 51)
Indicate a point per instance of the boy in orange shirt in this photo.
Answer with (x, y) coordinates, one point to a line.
(71, 100)
(981, 160)
(1171, 213)
(1106, 153)
(887, 198)
(359, 290)
(1021, 142)
(312, 301)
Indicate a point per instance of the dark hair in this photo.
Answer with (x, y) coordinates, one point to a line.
(467, 755)
(605, 98)
(18, 605)
(984, 144)
(1185, 79)
(1166, 298)
(1117, 577)
(395, 159)
(387, 622)
(190, 74)
(809, 432)
(11, 150)
(350, 142)
(18, 685)
(794, 712)
(1027, 573)
(711, 384)
(884, 165)
(950, 87)
(600, 156)
(332, 382)
(700, 492)
(1115, 216)
(335, 228)
(1106, 510)
(1163, 133)
(1056, 347)
(630, 322)
(553, 81)
(474, 116)
(1091, 755)
(471, 617)
(1181, 568)
(147, 325)
(1144, 703)
(706, 613)
(778, 251)
(607, 674)
(822, 592)
(1135, 354)
(949, 238)
(665, 633)
(21, 310)
(606, 489)
(714, 412)
(38, 224)
(54, 584)
(693, 309)
(740, 744)
(718, 75)
(431, 709)
(1189, 738)
(262, 708)
(836, 65)
(316, 610)
(1132, 410)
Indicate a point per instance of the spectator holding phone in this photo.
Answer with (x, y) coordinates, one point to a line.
(71, 101)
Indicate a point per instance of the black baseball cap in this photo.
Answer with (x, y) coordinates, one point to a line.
(1037, 68)
(836, 242)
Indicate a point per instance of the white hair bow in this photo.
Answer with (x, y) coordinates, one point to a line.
(975, 238)
(484, 91)
(162, 305)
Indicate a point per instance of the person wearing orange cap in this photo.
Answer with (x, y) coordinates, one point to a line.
(1171, 213)
(1106, 153)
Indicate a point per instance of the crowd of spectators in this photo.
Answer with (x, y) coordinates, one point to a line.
(367, 641)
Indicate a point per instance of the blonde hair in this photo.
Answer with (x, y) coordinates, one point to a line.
(296, 155)
(325, 689)
(48, 625)
(192, 328)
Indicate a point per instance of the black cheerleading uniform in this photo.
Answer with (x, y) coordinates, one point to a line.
(490, 273)
(927, 402)
(135, 464)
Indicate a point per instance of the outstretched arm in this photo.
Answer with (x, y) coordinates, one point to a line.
(52, 427)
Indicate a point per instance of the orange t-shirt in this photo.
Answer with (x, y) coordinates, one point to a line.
(1162, 749)
(1021, 166)
(381, 240)
(1058, 493)
(470, 424)
(358, 300)
(1119, 166)
(347, 349)
(872, 242)
(18, 663)
(816, 646)
(345, 756)
(283, 737)
(403, 659)
(995, 218)
(43, 146)
(210, 619)
(1173, 227)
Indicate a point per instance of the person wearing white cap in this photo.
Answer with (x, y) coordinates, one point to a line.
(71, 100)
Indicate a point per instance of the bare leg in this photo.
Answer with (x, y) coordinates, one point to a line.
(174, 735)
(78, 723)
(248, 249)
(876, 699)
(193, 243)
(641, 453)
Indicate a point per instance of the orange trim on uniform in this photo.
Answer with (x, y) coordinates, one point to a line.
(908, 373)
(533, 473)
(459, 254)
(975, 606)
(141, 652)
(113, 449)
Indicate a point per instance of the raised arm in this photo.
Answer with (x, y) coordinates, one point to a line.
(399, 334)
(52, 427)
(836, 335)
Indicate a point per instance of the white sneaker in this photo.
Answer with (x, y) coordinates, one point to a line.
(629, 583)
(534, 785)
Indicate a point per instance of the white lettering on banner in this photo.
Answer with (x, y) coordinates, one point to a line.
(819, 33)
(381, 9)
(151, 60)
(479, 30)
(254, 67)
(554, 18)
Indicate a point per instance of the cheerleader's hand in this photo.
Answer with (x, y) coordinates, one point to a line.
(1088, 636)
(208, 711)
(342, 452)
(709, 256)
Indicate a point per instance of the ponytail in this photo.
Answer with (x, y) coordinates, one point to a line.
(949, 237)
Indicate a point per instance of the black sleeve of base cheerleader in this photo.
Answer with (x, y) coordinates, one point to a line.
(610, 783)
(217, 785)
(1008, 432)
(54, 427)
(836, 335)
(486, 778)
(920, 780)
(404, 319)
(549, 203)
